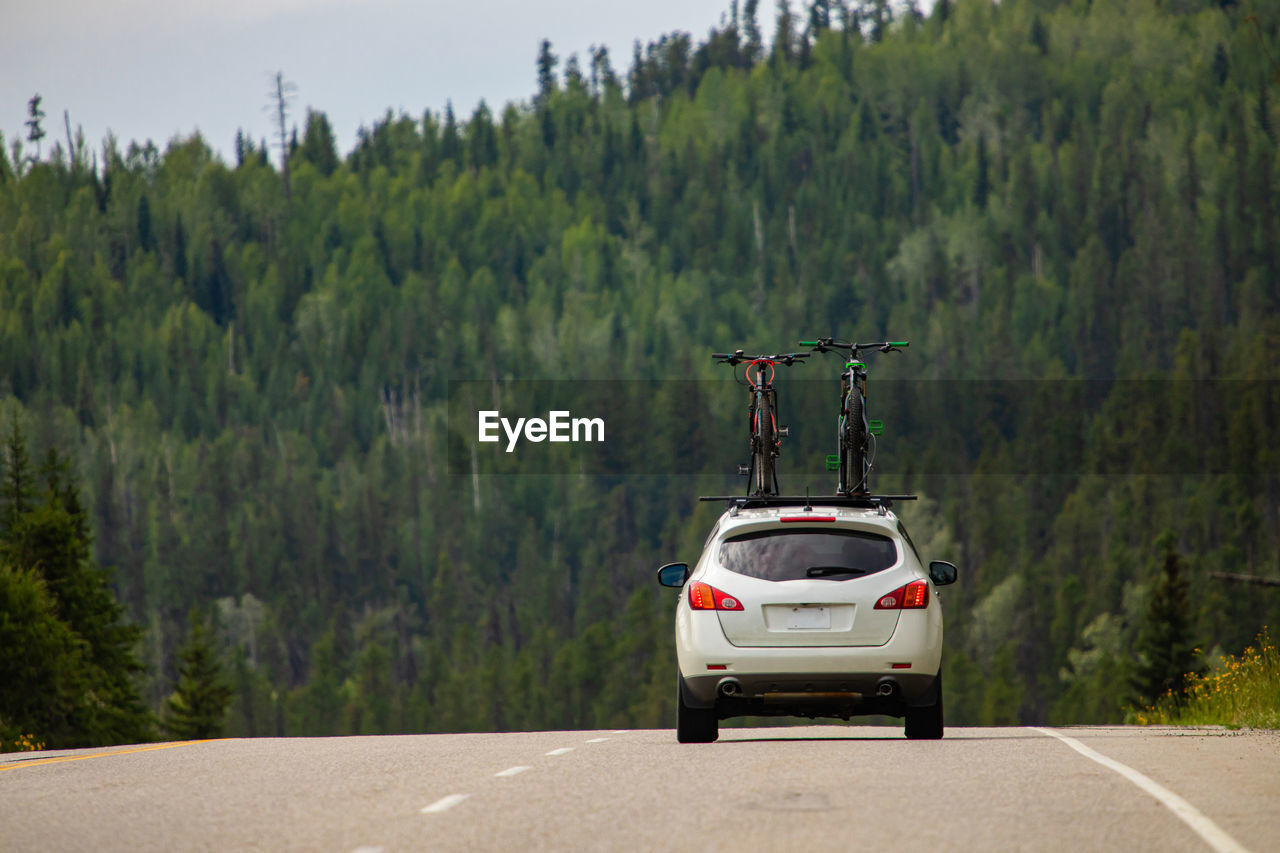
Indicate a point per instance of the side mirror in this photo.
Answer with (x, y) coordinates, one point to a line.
(942, 572)
(673, 574)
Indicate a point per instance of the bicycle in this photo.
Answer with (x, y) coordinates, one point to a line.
(766, 435)
(855, 435)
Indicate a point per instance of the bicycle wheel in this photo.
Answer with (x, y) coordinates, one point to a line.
(764, 447)
(853, 447)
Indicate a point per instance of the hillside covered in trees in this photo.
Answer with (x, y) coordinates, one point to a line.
(250, 363)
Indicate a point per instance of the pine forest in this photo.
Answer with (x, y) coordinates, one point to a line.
(224, 386)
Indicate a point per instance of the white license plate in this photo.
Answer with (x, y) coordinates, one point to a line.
(809, 618)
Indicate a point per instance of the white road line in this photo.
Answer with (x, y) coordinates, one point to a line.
(1214, 835)
(621, 731)
(597, 740)
(445, 803)
(561, 751)
(512, 771)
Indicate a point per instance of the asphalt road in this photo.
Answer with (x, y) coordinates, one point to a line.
(811, 788)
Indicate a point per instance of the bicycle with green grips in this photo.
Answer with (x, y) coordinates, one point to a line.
(766, 435)
(855, 434)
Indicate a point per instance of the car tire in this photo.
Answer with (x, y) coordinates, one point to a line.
(926, 723)
(694, 725)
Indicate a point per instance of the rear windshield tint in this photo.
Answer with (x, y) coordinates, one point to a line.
(783, 555)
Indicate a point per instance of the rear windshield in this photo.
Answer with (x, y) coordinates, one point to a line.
(784, 555)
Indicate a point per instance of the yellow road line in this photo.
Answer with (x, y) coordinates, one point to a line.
(58, 760)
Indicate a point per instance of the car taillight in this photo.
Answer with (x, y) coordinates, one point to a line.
(913, 596)
(704, 596)
(701, 597)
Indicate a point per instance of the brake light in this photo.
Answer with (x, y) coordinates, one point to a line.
(700, 597)
(913, 596)
(787, 518)
(704, 596)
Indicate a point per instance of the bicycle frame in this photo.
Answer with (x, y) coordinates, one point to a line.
(853, 381)
(765, 439)
(766, 435)
(854, 432)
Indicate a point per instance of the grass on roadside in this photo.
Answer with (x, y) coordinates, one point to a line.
(1239, 691)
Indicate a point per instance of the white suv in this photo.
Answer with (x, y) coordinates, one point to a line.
(808, 611)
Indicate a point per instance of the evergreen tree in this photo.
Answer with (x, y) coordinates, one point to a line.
(179, 250)
(784, 35)
(318, 146)
(482, 139)
(881, 16)
(450, 139)
(41, 663)
(1039, 35)
(603, 77)
(547, 62)
(18, 489)
(819, 17)
(50, 539)
(35, 131)
(981, 185)
(55, 539)
(753, 47)
(146, 239)
(1221, 64)
(197, 709)
(1164, 649)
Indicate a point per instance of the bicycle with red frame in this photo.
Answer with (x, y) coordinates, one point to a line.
(766, 435)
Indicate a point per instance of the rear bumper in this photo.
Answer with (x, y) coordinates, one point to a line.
(811, 694)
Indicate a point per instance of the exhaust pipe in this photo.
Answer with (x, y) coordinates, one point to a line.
(729, 687)
(887, 687)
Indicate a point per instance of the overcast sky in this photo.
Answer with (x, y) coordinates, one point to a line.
(150, 69)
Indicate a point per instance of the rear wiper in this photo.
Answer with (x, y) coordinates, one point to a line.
(824, 571)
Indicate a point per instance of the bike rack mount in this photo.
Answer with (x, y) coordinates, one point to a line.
(853, 501)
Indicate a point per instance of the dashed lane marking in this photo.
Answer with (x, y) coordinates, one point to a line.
(1214, 835)
(445, 803)
(512, 771)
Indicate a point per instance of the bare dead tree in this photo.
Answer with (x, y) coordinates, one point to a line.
(281, 93)
(72, 153)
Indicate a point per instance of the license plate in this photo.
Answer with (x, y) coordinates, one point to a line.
(809, 618)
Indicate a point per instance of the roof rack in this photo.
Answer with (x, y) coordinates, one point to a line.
(854, 501)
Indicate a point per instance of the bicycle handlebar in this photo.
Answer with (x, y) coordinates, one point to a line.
(831, 345)
(737, 357)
